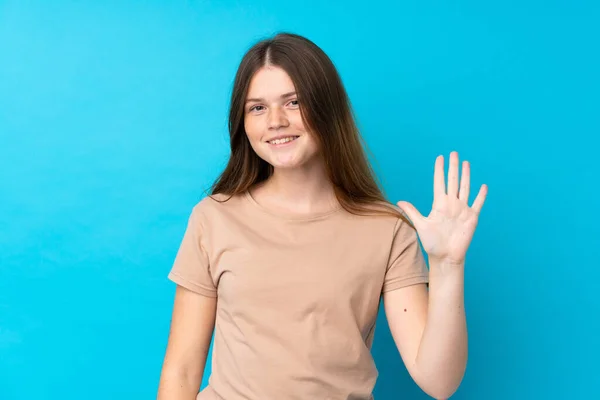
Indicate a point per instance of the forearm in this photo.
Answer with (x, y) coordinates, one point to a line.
(442, 356)
(178, 386)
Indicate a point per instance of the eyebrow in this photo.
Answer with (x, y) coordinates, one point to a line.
(283, 96)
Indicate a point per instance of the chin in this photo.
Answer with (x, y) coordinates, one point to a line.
(286, 159)
(287, 165)
(290, 164)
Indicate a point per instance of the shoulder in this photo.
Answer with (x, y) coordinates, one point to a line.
(218, 204)
(393, 228)
(387, 212)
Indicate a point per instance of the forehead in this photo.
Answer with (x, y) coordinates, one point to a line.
(270, 82)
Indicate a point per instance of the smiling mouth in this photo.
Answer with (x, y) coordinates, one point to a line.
(285, 140)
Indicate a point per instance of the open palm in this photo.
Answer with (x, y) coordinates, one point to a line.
(447, 231)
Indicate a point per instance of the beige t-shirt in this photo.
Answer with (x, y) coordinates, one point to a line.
(298, 296)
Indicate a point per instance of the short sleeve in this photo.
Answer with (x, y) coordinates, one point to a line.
(191, 268)
(407, 264)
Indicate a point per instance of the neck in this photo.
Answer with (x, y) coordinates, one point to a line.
(302, 190)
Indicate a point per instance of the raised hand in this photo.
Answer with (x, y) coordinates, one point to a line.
(447, 231)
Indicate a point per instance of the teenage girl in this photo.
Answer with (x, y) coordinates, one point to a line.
(288, 257)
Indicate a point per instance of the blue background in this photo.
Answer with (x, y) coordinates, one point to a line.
(113, 123)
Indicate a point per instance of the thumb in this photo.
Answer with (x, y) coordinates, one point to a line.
(410, 211)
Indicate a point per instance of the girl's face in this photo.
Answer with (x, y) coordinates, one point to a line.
(273, 121)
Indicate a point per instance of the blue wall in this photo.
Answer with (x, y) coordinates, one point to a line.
(113, 122)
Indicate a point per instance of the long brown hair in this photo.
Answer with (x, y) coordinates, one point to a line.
(326, 111)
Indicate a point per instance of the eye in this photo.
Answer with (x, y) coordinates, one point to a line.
(255, 108)
(294, 103)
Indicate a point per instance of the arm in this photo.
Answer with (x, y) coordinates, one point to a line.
(430, 331)
(432, 337)
(192, 326)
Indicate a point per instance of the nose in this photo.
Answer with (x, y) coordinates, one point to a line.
(277, 118)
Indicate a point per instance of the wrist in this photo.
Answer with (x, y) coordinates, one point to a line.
(446, 268)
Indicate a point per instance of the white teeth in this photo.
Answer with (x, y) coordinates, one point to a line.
(283, 140)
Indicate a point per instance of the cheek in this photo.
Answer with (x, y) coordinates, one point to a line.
(314, 145)
(297, 123)
(299, 126)
(252, 130)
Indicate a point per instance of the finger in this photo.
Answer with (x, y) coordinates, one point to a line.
(465, 182)
(411, 212)
(439, 184)
(480, 199)
(453, 175)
